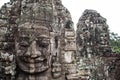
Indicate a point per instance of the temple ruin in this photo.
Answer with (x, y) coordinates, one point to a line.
(38, 42)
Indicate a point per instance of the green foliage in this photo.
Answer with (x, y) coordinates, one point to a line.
(115, 42)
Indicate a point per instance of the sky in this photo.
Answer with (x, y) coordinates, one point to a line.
(109, 9)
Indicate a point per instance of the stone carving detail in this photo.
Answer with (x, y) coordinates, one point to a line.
(92, 34)
(56, 67)
(68, 51)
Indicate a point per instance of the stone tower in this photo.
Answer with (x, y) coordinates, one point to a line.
(34, 30)
(92, 38)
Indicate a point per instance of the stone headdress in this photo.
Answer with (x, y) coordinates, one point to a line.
(39, 12)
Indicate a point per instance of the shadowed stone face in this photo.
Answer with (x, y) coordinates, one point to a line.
(33, 50)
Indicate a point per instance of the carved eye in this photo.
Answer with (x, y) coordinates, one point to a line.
(24, 44)
(43, 44)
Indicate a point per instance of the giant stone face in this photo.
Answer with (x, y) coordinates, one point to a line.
(32, 47)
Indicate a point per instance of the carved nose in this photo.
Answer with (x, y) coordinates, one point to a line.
(33, 47)
(32, 51)
(34, 56)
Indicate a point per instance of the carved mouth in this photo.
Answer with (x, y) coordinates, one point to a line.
(33, 60)
(33, 65)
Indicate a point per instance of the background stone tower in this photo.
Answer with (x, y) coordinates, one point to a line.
(92, 38)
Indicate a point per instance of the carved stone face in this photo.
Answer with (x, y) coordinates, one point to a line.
(33, 50)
